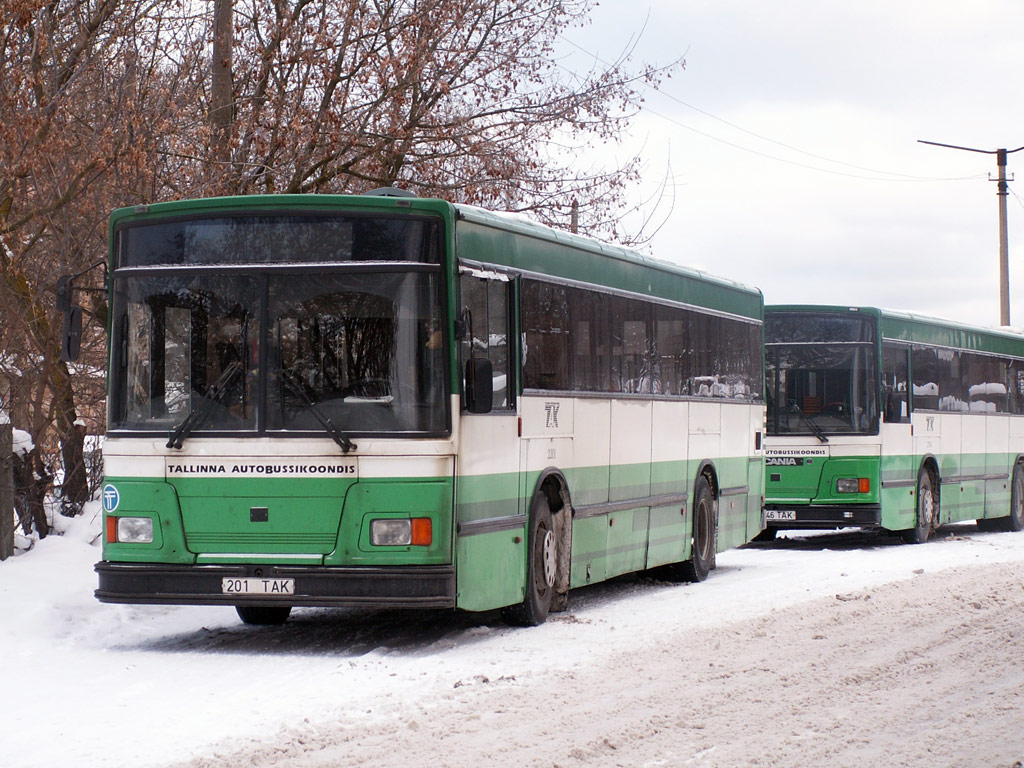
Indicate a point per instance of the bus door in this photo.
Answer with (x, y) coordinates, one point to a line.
(899, 465)
(489, 513)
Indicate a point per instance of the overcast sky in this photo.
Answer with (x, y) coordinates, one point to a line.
(791, 140)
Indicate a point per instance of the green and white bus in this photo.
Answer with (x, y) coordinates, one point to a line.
(382, 400)
(881, 419)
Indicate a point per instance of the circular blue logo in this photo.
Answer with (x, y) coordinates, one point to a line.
(111, 498)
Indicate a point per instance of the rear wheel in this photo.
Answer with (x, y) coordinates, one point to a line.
(263, 614)
(542, 568)
(927, 510)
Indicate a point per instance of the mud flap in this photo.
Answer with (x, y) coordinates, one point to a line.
(563, 530)
(714, 540)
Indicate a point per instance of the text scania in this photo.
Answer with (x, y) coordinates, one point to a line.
(783, 461)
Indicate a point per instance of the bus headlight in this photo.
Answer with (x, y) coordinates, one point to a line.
(853, 485)
(135, 530)
(401, 532)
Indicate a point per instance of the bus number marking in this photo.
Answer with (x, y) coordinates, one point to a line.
(551, 415)
(257, 586)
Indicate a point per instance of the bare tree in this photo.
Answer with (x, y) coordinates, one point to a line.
(461, 99)
(110, 102)
(81, 117)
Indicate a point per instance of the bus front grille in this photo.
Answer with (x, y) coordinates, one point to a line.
(261, 542)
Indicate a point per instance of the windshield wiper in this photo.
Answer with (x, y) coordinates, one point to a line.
(214, 395)
(336, 434)
(815, 429)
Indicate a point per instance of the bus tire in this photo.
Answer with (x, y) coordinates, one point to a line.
(927, 509)
(263, 614)
(702, 551)
(1015, 522)
(541, 570)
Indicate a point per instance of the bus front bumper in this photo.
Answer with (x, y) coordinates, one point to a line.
(824, 516)
(392, 587)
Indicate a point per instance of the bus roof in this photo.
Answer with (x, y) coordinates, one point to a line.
(547, 251)
(913, 327)
(486, 236)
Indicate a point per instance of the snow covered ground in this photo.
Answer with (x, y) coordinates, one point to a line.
(87, 684)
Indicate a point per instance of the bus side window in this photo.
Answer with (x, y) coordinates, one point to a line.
(894, 383)
(1015, 386)
(485, 308)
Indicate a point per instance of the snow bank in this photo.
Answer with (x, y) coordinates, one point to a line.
(111, 685)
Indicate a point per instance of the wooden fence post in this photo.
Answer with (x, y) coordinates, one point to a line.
(6, 491)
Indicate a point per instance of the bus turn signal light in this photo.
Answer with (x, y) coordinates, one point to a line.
(422, 532)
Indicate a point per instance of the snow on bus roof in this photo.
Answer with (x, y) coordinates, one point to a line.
(910, 314)
(903, 314)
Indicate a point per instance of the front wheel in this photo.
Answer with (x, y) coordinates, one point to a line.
(263, 614)
(927, 510)
(702, 553)
(1015, 522)
(542, 567)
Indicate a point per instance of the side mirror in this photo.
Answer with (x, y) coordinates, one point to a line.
(479, 385)
(71, 338)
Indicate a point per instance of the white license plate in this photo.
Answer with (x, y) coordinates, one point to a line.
(780, 514)
(257, 586)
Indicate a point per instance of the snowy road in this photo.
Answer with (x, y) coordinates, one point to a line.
(840, 650)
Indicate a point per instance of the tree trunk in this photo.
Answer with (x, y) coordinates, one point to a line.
(6, 493)
(31, 482)
(221, 97)
(75, 488)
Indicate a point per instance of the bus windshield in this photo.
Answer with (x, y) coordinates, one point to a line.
(275, 348)
(822, 375)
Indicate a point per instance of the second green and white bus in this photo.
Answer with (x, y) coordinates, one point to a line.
(881, 419)
(382, 400)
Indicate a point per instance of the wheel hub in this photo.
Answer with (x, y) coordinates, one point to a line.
(550, 557)
(927, 503)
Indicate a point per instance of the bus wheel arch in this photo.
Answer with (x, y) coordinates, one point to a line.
(554, 486)
(548, 542)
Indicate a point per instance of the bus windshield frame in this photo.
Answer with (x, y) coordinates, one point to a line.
(822, 374)
(285, 334)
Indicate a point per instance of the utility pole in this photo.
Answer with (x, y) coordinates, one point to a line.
(1002, 190)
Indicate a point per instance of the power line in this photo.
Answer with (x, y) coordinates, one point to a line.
(880, 174)
(904, 177)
